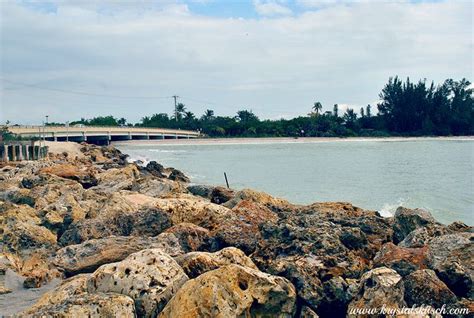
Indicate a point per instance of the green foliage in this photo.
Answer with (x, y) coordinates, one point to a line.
(406, 108)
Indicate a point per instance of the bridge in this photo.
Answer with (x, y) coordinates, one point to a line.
(99, 135)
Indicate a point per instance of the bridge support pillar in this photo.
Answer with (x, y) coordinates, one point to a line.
(11, 153)
(18, 153)
(55, 138)
(4, 153)
(175, 136)
(24, 150)
(147, 136)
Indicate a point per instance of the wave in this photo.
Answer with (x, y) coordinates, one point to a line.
(388, 209)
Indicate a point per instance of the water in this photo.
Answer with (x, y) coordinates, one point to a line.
(435, 174)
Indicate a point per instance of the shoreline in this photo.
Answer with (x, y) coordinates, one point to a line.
(282, 140)
(127, 240)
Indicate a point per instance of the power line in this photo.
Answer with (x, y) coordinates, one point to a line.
(83, 93)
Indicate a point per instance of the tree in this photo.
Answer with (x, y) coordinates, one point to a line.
(350, 119)
(368, 112)
(317, 107)
(208, 115)
(335, 110)
(362, 113)
(180, 111)
(122, 121)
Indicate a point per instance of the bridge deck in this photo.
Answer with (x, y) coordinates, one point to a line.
(94, 133)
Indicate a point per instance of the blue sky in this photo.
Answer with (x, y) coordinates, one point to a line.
(275, 57)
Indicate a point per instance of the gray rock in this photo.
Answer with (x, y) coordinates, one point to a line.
(423, 287)
(379, 287)
(407, 220)
(89, 255)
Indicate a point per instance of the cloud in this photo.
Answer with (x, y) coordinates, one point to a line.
(271, 8)
(338, 54)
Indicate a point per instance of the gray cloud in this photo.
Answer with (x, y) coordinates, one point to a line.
(277, 67)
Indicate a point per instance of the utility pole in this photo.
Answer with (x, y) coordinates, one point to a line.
(175, 107)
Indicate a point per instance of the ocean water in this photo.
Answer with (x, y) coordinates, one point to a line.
(435, 174)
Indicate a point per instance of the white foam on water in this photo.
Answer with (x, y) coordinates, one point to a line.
(388, 209)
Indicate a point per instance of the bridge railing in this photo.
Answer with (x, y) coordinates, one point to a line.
(36, 128)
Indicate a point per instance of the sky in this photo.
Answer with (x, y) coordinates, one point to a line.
(126, 58)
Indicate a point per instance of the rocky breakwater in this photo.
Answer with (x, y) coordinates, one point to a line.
(116, 239)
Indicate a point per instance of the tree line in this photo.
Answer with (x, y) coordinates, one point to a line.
(405, 108)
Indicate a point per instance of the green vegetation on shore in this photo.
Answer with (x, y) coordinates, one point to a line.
(405, 109)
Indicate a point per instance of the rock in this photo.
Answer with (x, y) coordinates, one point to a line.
(177, 175)
(191, 210)
(407, 220)
(144, 222)
(26, 235)
(150, 277)
(241, 227)
(337, 293)
(423, 287)
(402, 259)
(198, 263)
(67, 289)
(192, 237)
(155, 169)
(116, 179)
(353, 238)
(457, 271)
(258, 197)
(201, 190)
(158, 188)
(380, 287)
(221, 195)
(83, 175)
(233, 291)
(422, 236)
(89, 255)
(91, 305)
(307, 312)
(34, 266)
(440, 247)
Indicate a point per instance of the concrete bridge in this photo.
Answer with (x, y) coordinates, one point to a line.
(100, 135)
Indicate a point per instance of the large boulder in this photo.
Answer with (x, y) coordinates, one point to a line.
(423, 235)
(193, 210)
(221, 195)
(177, 175)
(258, 197)
(380, 287)
(85, 175)
(233, 291)
(69, 288)
(441, 247)
(115, 179)
(192, 237)
(91, 305)
(145, 221)
(201, 190)
(423, 287)
(404, 260)
(197, 263)
(241, 227)
(150, 277)
(457, 270)
(89, 255)
(158, 188)
(407, 220)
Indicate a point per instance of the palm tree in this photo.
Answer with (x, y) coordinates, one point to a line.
(208, 115)
(317, 107)
(180, 110)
